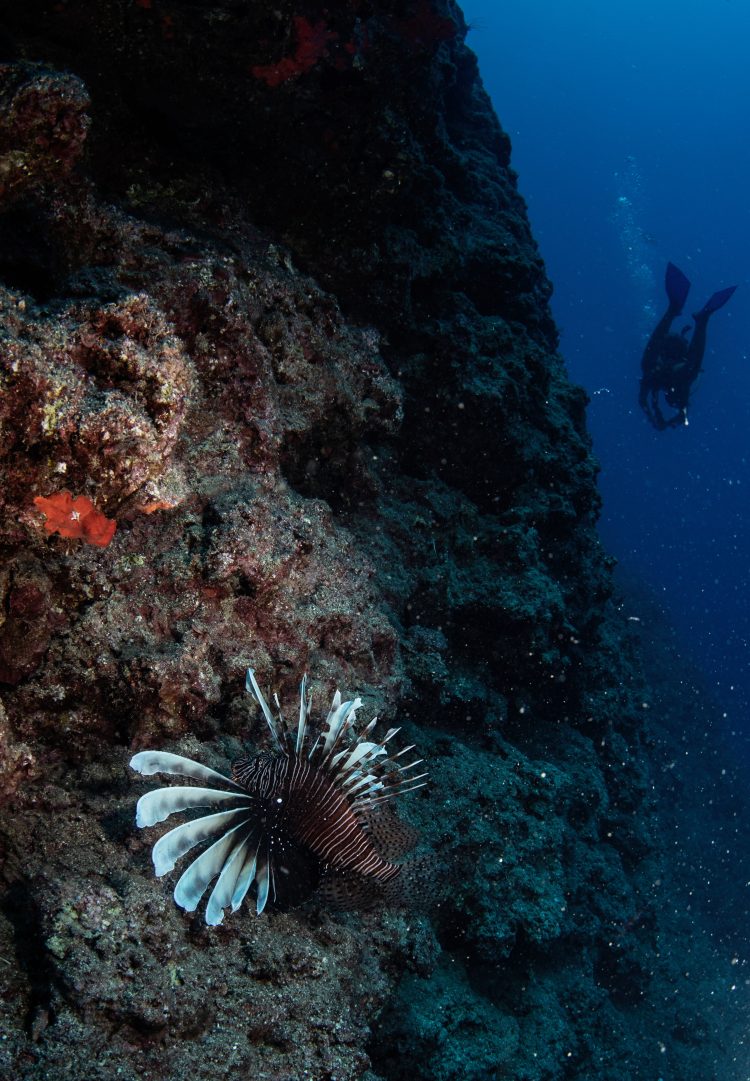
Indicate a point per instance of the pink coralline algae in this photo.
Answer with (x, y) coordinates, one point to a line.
(312, 45)
(425, 29)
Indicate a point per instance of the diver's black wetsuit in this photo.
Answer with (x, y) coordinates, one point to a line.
(670, 366)
(670, 363)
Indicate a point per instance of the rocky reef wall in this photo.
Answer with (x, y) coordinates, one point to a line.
(271, 305)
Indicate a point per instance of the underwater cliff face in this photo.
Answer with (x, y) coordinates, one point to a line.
(272, 306)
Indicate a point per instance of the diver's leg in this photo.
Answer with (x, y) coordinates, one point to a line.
(698, 342)
(677, 287)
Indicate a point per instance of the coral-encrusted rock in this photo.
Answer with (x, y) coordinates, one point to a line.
(18, 766)
(32, 615)
(44, 121)
(95, 399)
(183, 390)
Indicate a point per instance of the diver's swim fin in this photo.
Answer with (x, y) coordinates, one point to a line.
(718, 300)
(677, 287)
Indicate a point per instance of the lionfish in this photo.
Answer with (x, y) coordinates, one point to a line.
(299, 812)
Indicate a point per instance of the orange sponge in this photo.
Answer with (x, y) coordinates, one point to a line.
(76, 518)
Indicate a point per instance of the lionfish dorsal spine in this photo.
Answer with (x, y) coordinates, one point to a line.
(341, 717)
(276, 724)
(361, 756)
(354, 751)
(397, 788)
(411, 765)
(405, 750)
(357, 781)
(305, 705)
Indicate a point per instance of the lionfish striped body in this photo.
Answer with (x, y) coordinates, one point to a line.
(294, 813)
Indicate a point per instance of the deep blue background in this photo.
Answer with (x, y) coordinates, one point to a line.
(629, 125)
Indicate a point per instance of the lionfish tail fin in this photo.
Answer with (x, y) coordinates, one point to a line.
(416, 887)
(420, 885)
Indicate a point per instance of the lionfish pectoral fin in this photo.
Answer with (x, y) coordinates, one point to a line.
(246, 877)
(195, 880)
(177, 842)
(421, 883)
(221, 895)
(160, 803)
(149, 762)
(263, 876)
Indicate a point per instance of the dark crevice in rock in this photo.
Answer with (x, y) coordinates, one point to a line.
(20, 908)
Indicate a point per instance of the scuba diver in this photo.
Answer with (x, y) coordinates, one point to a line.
(671, 363)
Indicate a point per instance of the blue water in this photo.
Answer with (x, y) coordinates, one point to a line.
(628, 122)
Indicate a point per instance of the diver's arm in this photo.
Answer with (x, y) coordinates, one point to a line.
(643, 389)
(648, 400)
(655, 342)
(657, 417)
